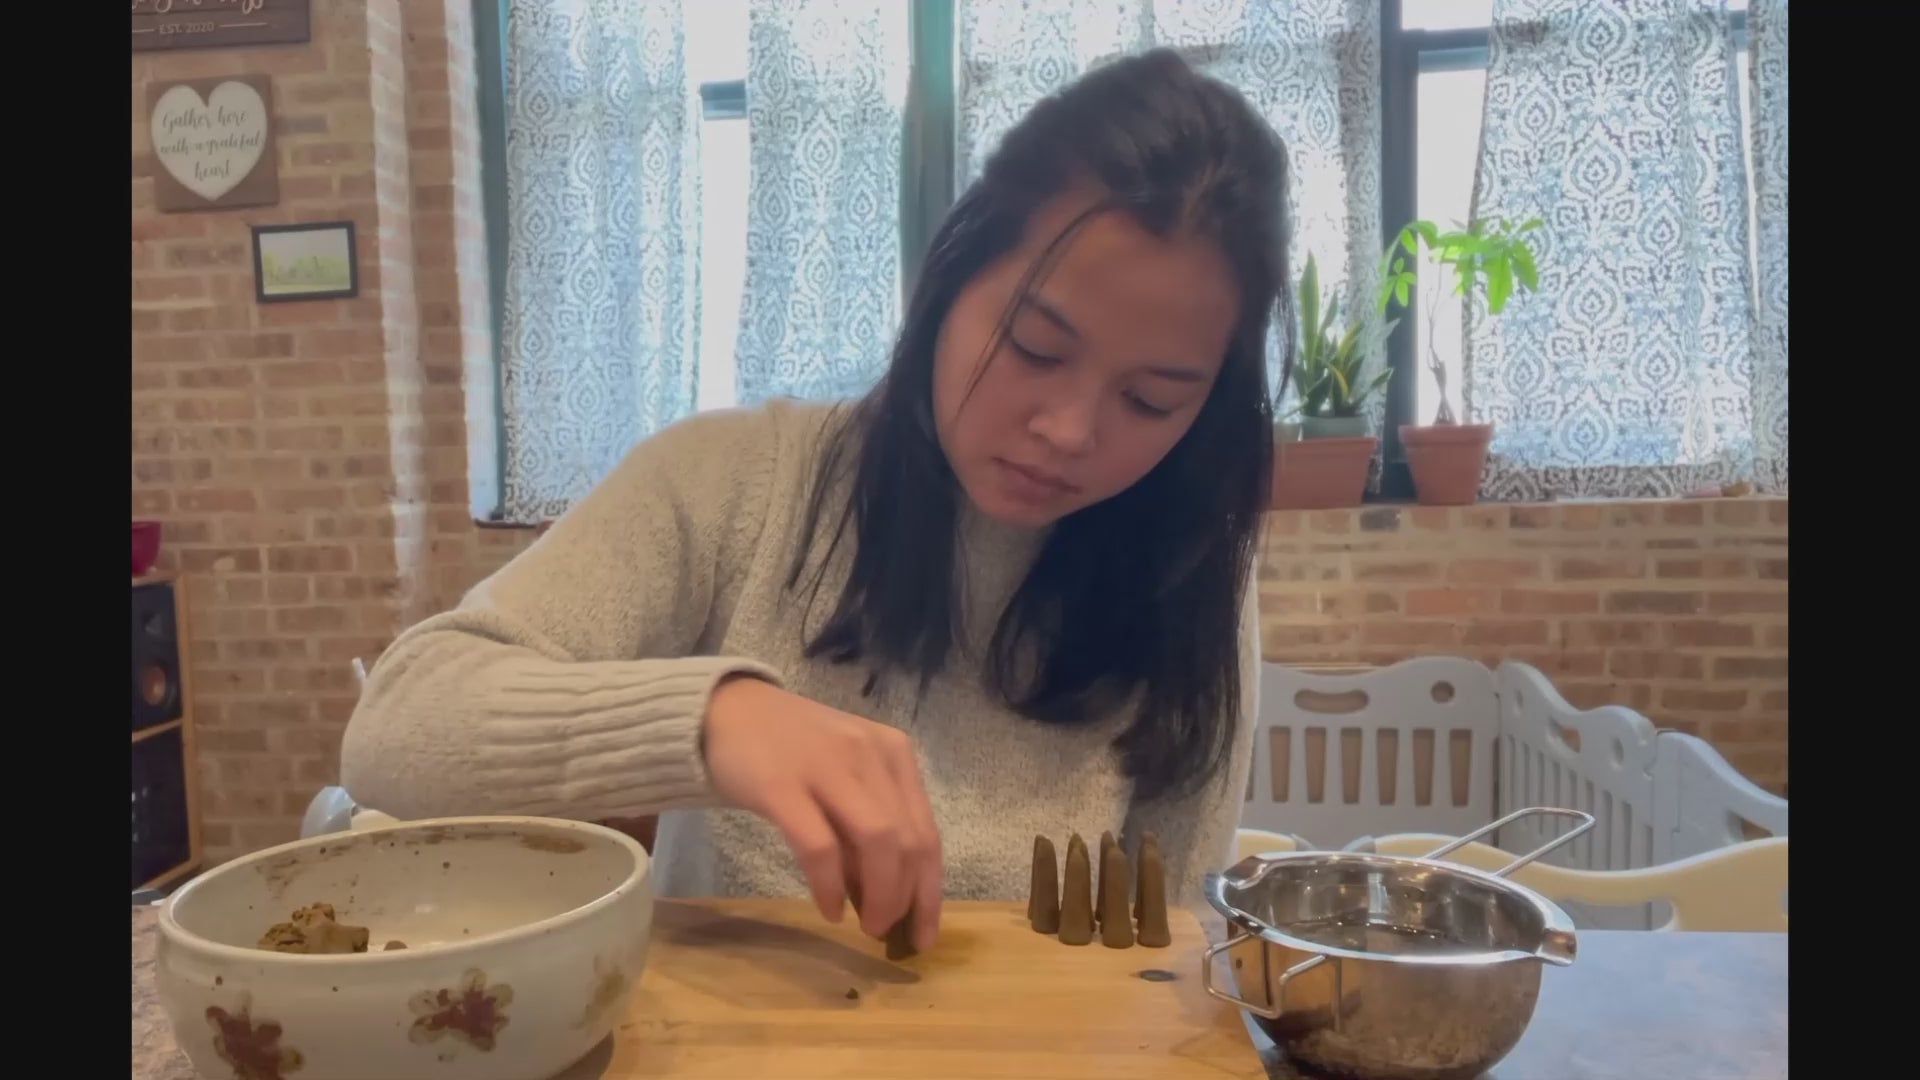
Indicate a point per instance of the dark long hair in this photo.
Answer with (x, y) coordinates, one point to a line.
(1139, 594)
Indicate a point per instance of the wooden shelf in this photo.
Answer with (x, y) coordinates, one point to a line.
(160, 729)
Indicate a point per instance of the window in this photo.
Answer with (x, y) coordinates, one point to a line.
(717, 61)
(1434, 75)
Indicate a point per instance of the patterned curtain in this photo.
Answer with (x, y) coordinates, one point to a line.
(1767, 49)
(1630, 372)
(826, 92)
(1311, 67)
(599, 343)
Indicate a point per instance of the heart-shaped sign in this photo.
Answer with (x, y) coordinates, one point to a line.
(210, 145)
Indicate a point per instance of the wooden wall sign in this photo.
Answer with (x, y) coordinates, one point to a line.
(208, 24)
(213, 143)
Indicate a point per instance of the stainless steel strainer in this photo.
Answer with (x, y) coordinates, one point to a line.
(1390, 967)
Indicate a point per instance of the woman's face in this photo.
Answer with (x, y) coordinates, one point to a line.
(1105, 365)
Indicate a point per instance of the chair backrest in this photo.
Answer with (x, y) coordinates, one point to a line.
(1742, 887)
(1404, 747)
(1702, 802)
(1596, 760)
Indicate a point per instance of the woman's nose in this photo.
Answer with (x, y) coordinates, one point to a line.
(1067, 423)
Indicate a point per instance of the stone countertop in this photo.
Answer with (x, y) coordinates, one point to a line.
(155, 1056)
(1636, 1004)
(1640, 1004)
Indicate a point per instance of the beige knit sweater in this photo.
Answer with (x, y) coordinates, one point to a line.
(573, 682)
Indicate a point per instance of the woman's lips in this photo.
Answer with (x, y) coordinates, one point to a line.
(1027, 484)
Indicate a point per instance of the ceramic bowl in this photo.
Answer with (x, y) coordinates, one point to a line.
(524, 939)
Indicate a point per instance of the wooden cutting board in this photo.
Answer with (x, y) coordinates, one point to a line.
(765, 988)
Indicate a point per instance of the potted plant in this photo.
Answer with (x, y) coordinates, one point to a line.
(1489, 260)
(1321, 459)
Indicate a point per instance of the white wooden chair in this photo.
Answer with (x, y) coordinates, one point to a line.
(1440, 744)
(1345, 754)
(1248, 842)
(1742, 887)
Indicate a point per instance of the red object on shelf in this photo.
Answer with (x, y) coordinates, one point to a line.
(146, 546)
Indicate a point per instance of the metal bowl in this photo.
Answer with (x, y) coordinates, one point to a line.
(1388, 967)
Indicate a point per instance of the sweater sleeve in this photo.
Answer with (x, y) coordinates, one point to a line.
(568, 684)
(1196, 832)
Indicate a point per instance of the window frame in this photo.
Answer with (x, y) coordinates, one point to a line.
(927, 176)
(928, 186)
(1405, 55)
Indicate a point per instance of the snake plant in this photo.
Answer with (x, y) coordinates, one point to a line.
(1330, 368)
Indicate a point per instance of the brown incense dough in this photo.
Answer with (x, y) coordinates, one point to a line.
(899, 937)
(1076, 897)
(1116, 926)
(1100, 905)
(314, 930)
(1152, 908)
(1043, 897)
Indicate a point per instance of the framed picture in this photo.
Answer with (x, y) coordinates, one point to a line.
(309, 261)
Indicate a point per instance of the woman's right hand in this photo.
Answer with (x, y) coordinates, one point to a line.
(844, 791)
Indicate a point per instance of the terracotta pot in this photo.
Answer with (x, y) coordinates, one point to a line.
(1333, 427)
(1446, 461)
(1320, 474)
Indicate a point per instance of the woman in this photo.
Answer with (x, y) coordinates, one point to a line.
(883, 645)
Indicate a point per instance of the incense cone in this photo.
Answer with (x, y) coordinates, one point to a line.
(1100, 906)
(1116, 927)
(1154, 932)
(1043, 900)
(1076, 897)
(900, 938)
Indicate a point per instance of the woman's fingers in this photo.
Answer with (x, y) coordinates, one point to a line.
(816, 848)
(845, 793)
(863, 814)
(923, 853)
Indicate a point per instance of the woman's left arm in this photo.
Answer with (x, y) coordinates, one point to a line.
(1195, 832)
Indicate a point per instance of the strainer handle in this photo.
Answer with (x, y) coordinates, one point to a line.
(1265, 1012)
(1586, 822)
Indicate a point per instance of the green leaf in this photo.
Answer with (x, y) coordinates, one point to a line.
(1499, 284)
(1523, 262)
(1428, 231)
(1345, 354)
(1310, 297)
(1400, 292)
(1379, 381)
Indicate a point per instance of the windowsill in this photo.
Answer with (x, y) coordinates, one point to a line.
(1775, 508)
(1582, 500)
(1739, 511)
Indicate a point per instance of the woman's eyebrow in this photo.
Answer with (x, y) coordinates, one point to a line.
(1052, 313)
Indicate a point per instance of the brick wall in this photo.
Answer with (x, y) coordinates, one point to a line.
(315, 464)
(308, 459)
(1676, 609)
